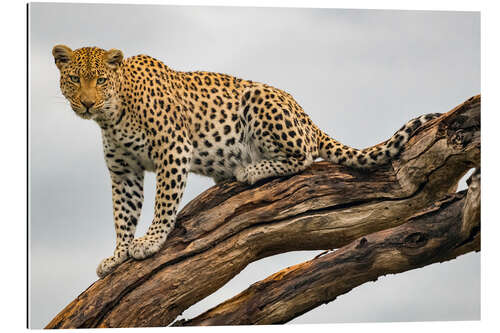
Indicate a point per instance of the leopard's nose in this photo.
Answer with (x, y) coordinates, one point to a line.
(88, 104)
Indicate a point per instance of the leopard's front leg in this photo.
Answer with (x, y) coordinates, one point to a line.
(171, 176)
(127, 181)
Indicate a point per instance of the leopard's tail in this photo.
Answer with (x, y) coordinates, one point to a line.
(336, 152)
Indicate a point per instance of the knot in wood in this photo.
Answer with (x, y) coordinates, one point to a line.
(416, 239)
(458, 138)
(362, 243)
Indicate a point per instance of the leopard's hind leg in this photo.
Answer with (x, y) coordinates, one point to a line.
(278, 134)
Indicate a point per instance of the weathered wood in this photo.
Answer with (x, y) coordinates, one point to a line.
(441, 232)
(231, 225)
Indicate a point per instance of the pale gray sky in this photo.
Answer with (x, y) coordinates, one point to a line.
(359, 74)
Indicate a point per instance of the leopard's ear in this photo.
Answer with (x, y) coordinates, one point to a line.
(113, 58)
(62, 55)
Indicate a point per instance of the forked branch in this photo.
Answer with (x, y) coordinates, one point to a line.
(442, 231)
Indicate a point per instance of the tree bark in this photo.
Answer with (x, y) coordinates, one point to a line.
(437, 234)
(325, 207)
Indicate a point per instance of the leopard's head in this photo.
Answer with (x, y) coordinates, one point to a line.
(89, 79)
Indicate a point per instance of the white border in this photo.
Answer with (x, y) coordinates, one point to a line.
(13, 195)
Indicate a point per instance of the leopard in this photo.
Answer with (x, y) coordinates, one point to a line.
(153, 118)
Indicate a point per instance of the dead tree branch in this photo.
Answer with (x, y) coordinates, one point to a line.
(231, 225)
(440, 232)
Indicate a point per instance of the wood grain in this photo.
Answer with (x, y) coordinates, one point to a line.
(436, 234)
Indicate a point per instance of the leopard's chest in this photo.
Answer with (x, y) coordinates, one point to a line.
(132, 146)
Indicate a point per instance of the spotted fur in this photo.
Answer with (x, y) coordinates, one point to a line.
(154, 118)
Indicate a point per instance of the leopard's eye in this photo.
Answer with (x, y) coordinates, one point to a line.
(101, 80)
(74, 78)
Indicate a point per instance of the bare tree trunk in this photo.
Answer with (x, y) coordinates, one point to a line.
(399, 217)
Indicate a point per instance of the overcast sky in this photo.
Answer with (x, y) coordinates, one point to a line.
(359, 74)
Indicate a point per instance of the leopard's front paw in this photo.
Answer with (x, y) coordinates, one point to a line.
(144, 247)
(107, 265)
